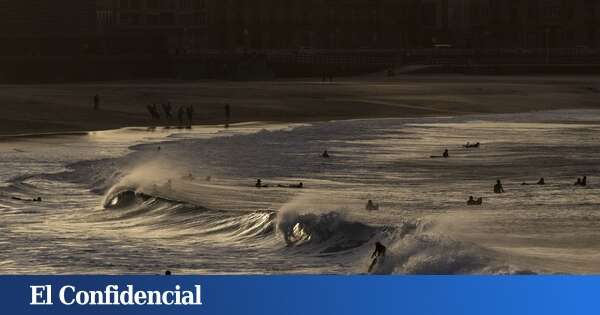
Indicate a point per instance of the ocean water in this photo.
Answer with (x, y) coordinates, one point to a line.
(114, 203)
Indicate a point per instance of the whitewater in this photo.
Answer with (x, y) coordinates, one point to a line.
(123, 201)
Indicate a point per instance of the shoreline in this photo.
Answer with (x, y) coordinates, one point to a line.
(66, 109)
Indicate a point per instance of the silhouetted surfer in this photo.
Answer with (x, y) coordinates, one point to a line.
(498, 188)
(581, 182)
(227, 115)
(378, 254)
(371, 206)
(325, 154)
(542, 181)
(180, 115)
(167, 108)
(190, 115)
(445, 155)
(470, 146)
(259, 184)
(38, 199)
(473, 202)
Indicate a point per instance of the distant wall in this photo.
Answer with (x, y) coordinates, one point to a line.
(286, 63)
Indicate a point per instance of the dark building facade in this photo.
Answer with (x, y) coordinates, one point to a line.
(46, 27)
(393, 24)
(187, 27)
(510, 23)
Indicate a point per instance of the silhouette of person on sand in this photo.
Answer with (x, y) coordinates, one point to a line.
(180, 115)
(96, 102)
(190, 115)
(227, 115)
(378, 254)
(167, 109)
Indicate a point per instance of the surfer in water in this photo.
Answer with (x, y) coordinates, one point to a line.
(542, 181)
(378, 254)
(581, 182)
(298, 186)
(445, 155)
(259, 184)
(38, 199)
(498, 188)
(325, 154)
(188, 177)
(371, 206)
(473, 202)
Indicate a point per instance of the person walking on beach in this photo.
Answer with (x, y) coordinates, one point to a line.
(167, 109)
(96, 102)
(180, 114)
(227, 115)
(190, 115)
(152, 109)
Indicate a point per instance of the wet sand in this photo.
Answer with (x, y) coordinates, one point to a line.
(33, 109)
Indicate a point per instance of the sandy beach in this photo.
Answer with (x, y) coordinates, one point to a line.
(30, 109)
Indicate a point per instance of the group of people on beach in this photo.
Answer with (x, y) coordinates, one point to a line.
(185, 114)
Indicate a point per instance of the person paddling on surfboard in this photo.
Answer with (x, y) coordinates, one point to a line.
(379, 253)
(445, 155)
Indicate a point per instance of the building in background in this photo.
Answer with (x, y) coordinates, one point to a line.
(178, 27)
(188, 27)
(42, 27)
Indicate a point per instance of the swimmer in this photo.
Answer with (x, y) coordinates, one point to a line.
(498, 188)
